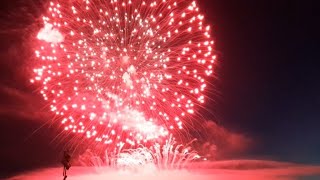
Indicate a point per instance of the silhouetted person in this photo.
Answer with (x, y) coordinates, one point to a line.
(66, 163)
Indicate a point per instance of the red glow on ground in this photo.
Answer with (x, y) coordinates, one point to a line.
(226, 170)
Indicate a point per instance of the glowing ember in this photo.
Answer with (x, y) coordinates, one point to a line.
(124, 71)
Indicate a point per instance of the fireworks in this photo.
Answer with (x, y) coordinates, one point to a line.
(123, 71)
(167, 156)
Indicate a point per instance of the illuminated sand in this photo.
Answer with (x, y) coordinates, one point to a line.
(223, 170)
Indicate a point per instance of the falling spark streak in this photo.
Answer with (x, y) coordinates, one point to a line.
(123, 71)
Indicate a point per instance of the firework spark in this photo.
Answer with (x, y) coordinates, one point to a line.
(124, 71)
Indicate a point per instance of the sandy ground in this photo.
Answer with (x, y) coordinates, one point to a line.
(221, 170)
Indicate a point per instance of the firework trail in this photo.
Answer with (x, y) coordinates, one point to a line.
(123, 71)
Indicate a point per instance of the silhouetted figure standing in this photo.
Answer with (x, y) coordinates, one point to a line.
(66, 163)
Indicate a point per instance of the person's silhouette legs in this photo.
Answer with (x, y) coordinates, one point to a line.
(64, 173)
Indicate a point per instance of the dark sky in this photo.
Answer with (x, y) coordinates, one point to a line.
(268, 82)
(269, 75)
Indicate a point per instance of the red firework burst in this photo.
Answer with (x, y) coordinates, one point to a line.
(123, 70)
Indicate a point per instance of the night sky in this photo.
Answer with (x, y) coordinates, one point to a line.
(270, 74)
(267, 86)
